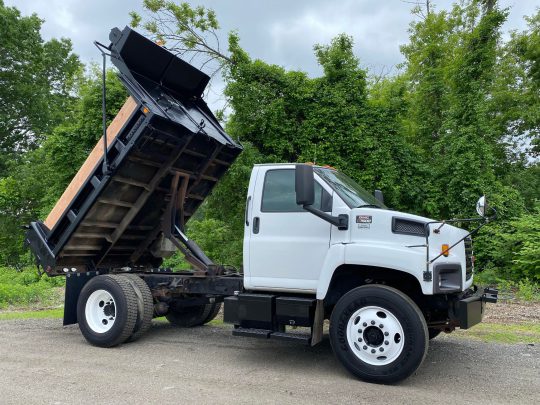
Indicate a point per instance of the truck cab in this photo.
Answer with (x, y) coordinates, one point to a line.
(287, 248)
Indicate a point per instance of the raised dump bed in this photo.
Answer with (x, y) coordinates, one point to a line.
(166, 151)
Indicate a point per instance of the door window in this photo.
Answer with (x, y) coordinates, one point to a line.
(279, 195)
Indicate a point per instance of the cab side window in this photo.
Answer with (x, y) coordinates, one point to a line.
(279, 196)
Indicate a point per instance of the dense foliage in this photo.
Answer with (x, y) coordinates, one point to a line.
(36, 80)
(25, 287)
(38, 178)
(460, 119)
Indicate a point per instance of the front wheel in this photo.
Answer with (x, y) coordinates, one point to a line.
(378, 333)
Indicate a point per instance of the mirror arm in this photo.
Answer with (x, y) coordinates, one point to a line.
(494, 216)
(341, 221)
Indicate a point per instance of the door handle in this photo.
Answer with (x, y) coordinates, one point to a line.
(256, 224)
(247, 211)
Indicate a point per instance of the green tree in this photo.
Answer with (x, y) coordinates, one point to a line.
(36, 83)
(330, 119)
(434, 137)
(451, 69)
(68, 144)
(468, 142)
(427, 56)
(39, 177)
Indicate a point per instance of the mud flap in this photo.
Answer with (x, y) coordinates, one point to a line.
(74, 284)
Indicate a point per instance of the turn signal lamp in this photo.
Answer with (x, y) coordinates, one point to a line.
(445, 249)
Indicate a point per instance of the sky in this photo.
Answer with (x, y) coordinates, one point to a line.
(282, 32)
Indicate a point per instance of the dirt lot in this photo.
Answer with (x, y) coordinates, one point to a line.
(513, 312)
(43, 362)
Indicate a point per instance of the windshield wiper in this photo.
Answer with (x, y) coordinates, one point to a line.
(368, 206)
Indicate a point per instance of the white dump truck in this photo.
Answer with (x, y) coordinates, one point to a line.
(317, 246)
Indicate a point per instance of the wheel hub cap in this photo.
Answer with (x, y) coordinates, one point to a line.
(100, 311)
(375, 335)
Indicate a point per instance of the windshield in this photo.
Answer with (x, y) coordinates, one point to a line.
(348, 189)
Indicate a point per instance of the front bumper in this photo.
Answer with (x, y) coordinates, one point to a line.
(469, 310)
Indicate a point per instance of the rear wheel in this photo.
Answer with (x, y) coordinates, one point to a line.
(107, 310)
(145, 307)
(378, 333)
(216, 307)
(187, 317)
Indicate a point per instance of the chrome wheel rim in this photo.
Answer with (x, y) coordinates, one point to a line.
(375, 335)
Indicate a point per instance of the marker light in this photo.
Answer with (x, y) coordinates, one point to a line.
(445, 249)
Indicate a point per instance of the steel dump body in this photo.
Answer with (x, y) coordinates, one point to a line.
(164, 144)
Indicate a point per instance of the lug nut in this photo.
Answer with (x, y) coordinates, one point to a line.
(372, 350)
(373, 322)
(381, 326)
(365, 324)
(386, 342)
(381, 349)
(359, 339)
(359, 330)
(385, 333)
(365, 347)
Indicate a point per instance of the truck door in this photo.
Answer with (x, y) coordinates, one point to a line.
(285, 246)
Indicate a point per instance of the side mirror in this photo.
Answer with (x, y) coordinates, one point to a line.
(304, 185)
(482, 206)
(379, 196)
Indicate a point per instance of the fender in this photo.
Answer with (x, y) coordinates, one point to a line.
(401, 258)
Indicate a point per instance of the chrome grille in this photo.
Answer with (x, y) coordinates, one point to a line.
(469, 261)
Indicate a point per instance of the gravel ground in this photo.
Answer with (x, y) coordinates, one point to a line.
(42, 362)
(513, 312)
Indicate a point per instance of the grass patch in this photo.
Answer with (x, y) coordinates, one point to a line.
(25, 288)
(218, 322)
(522, 290)
(503, 333)
(42, 314)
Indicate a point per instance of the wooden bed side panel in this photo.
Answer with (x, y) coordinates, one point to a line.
(90, 163)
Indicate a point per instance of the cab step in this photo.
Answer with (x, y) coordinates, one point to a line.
(252, 332)
(270, 334)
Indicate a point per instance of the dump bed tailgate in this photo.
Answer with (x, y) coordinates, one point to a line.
(165, 143)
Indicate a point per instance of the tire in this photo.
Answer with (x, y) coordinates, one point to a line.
(216, 307)
(145, 307)
(374, 354)
(433, 333)
(107, 311)
(188, 317)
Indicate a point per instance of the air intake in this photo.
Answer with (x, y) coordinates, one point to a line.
(408, 227)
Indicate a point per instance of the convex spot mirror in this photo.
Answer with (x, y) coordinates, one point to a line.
(304, 185)
(482, 206)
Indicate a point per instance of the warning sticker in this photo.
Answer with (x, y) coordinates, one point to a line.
(363, 219)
